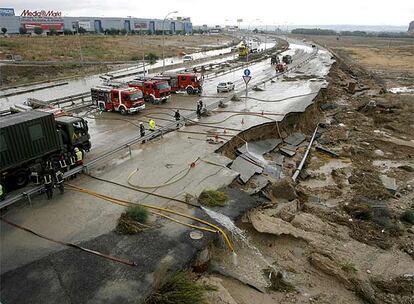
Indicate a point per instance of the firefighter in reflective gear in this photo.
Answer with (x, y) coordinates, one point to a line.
(59, 181)
(47, 178)
(177, 117)
(151, 124)
(79, 156)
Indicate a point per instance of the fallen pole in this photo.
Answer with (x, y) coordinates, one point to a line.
(296, 174)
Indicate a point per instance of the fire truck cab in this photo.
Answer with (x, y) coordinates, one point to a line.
(155, 91)
(189, 82)
(120, 99)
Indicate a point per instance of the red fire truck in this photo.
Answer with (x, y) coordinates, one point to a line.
(155, 91)
(189, 82)
(120, 99)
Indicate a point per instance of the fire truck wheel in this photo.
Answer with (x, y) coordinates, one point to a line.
(21, 178)
(190, 91)
(151, 99)
(123, 111)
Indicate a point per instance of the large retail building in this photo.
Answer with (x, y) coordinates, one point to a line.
(48, 20)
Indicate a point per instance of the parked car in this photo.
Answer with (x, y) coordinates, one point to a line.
(225, 87)
(187, 58)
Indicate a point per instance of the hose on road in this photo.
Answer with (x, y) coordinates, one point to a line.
(126, 262)
(125, 203)
(282, 99)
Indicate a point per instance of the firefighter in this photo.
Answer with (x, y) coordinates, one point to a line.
(141, 129)
(47, 178)
(177, 116)
(79, 156)
(198, 111)
(151, 124)
(59, 181)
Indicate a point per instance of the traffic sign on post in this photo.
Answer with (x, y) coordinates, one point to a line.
(246, 72)
(246, 79)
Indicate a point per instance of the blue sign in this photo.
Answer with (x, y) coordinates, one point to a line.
(246, 72)
(6, 11)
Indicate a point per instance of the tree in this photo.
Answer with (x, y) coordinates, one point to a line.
(124, 31)
(38, 30)
(53, 32)
(22, 30)
(4, 30)
(81, 30)
(152, 58)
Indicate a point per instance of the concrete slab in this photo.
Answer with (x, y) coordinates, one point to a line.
(389, 183)
(295, 139)
(260, 147)
(246, 168)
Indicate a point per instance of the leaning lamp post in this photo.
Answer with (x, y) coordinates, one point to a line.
(163, 39)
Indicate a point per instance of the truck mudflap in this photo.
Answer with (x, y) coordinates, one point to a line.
(136, 109)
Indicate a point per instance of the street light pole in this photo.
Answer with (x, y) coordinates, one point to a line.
(163, 40)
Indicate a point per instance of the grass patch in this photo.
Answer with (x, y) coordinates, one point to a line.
(349, 267)
(138, 213)
(179, 289)
(408, 216)
(213, 198)
(132, 221)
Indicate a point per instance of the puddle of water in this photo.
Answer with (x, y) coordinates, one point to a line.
(325, 170)
(238, 234)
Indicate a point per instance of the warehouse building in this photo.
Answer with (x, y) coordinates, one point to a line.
(48, 20)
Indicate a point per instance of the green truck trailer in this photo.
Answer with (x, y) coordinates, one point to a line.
(29, 141)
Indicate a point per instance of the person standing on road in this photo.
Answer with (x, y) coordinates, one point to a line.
(198, 111)
(142, 131)
(79, 156)
(48, 185)
(59, 181)
(177, 116)
(151, 124)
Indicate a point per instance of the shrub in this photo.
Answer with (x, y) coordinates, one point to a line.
(126, 225)
(137, 213)
(81, 30)
(124, 31)
(67, 32)
(408, 216)
(179, 289)
(53, 32)
(22, 30)
(349, 267)
(3, 30)
(152, 58)
(114, 31)
(213, 198)
(38, 30)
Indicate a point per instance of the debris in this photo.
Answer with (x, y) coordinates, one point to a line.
(295, 139)
(260, 147)
(389, 183)
(245, 167)
(327, 151)
(273, 170)
(235, 98)
(408, 168)
(328, 106)
(379, 152)
(212, 198)
(288, 150)
(277, 282)
(284, 189)
(258, 89)
(287, 211)
(257, 183)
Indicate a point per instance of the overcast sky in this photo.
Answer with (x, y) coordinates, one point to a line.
(270, 12)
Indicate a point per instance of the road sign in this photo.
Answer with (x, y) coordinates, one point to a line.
(246, 79)
(246, 72)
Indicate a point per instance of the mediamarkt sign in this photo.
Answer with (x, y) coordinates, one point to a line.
(42, 13)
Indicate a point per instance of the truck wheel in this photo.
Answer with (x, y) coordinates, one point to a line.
(151, 99)
(21, 178)
(102, 107)
(190, 91)
(123, 111)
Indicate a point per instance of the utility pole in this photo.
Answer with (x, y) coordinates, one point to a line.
(163, 39)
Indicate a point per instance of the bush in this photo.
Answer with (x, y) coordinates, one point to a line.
(408, 216)
(114, 31)
(53, 32)
(137, 213)
(38, 30)
(152, 58)
(22, 30)
(67, 32)
(213, 198)
(126, 225)
(124, 31)
(3, 30)
(81, 30)
(179, 289)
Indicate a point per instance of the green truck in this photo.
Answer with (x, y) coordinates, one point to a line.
(31, 141)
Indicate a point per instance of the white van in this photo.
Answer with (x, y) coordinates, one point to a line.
(187, 58)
